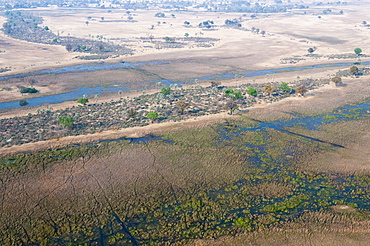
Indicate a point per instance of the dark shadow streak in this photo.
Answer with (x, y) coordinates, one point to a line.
(297, 134)
(124, 228)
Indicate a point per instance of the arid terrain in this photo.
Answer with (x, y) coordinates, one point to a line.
(218, 164)
(284, 44)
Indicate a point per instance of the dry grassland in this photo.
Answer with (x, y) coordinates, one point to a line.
(288, 35)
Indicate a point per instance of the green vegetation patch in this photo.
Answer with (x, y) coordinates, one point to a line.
(207, 182)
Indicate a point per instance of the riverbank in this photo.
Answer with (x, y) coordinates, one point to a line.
(278, 48)
(53, 84)
(136, 132)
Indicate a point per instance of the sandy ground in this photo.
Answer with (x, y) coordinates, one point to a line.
(288, 35)
(136, 132)
(133, 132)
(279, 77)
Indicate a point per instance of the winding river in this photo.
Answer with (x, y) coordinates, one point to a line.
(91, 67)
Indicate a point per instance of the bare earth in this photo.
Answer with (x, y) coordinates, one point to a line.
(288, 35)
(287, 38)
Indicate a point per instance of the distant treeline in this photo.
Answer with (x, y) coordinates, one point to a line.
(26, 26)
(214, 6)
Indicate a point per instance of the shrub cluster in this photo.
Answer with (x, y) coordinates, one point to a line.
(92, 118)
(26, 26)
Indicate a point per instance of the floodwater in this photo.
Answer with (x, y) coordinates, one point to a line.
(91, 67)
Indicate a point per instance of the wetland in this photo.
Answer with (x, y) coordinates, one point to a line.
(186, 134)
(223, 179)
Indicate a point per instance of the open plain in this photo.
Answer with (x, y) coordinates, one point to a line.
(219, 165)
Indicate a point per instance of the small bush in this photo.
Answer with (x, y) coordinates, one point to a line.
(23, 103)
(28, 90)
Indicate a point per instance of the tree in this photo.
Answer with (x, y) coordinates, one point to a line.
(186, 34)
(232, 106)
(337, 80)
(353, 70)
(229, 93)
(69, 47)
(152, 116)
(31, 81)
(23, 103)
(284, 87)
(310, 50)
(233, 94)
(251, 91)
(181, 105)
(65, 121)
(159, 14)
(358, 51)
(46, 28)
(28, 90)
(215, 84)
(170, 39)
(166, 91)
(131, 113)
(238, 94)
(301, 90)
(269, 89)
(83, 100)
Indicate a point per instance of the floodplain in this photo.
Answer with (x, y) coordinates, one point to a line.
(219, 165)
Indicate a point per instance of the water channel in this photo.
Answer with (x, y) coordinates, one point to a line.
(313, 191)
(91, 67)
